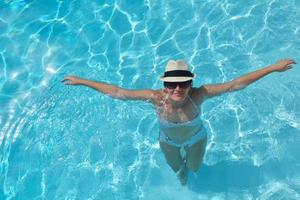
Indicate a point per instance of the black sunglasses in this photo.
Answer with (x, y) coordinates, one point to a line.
(173, 85)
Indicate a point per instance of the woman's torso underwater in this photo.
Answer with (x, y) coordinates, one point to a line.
(179, 124)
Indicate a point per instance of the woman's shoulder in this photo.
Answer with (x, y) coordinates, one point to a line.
(197, 94)
(158, 96)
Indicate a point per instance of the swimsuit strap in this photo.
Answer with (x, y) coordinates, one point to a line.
(194, 104)
(164, 103)
(166, 98)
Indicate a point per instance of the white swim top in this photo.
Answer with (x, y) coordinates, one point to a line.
(194, 122)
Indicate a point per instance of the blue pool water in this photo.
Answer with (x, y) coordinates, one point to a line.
(67, 142)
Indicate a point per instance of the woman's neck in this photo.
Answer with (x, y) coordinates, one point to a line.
(178, 104)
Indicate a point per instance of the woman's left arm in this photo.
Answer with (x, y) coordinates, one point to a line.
(243, 81)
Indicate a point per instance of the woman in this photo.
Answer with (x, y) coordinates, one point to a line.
(177, 105)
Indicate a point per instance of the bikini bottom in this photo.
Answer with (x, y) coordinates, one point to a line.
(201, 134)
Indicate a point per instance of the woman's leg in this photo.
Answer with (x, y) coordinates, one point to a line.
(172, 155)
(195, 154)
(176, 162)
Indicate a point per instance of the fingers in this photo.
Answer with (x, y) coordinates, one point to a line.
(67, 83)
(287, 63)
(67, 80)
(291, 61)
(70, 78)
(289, 67)
(64, 81)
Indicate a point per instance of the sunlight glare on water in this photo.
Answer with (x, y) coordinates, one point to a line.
(71, 142)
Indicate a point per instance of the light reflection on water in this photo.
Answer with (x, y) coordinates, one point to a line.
(62, 142)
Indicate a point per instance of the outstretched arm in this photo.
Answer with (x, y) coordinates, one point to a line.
(245, 80)
(112, 90)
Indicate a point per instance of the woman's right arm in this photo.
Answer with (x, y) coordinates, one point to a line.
(112, 90)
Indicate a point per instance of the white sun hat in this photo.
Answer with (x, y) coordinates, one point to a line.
(177, 71)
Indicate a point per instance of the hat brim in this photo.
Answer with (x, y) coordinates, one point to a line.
(177, 79)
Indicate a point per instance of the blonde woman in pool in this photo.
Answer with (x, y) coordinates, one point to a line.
(177, 106)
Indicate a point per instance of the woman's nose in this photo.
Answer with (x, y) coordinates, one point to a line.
(177, 87)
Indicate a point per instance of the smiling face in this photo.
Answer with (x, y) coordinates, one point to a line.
(178, 91)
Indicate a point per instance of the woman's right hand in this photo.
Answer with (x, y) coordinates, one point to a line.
(72, 80)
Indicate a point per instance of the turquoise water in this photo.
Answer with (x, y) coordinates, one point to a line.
(67, 142)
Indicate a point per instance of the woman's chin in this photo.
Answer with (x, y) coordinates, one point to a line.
(177, 97)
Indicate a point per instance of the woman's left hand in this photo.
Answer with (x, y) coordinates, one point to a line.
(283, 65)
